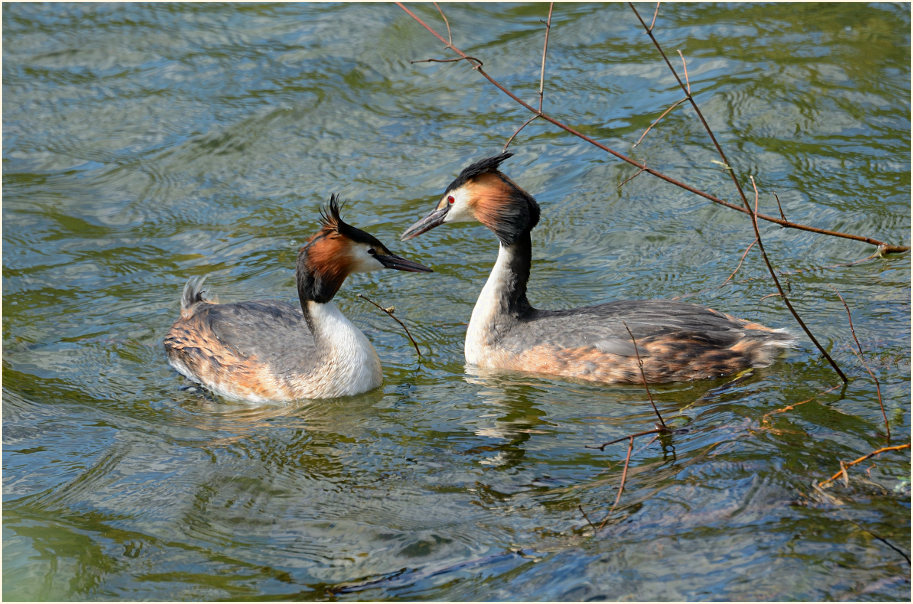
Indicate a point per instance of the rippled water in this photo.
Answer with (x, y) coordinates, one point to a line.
(143, 144)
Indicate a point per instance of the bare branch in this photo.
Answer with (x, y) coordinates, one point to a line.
(773, 275)
(883, 247)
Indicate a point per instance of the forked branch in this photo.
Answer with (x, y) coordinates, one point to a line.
(773, 275)
(477, 66)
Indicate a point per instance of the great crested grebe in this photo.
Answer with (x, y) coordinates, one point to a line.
(675, 341)
(272, 351)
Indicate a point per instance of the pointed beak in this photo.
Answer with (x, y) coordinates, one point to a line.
(427, 223)
(401, 264)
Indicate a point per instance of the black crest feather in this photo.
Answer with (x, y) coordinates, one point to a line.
(489, 164)
(329, 215)
(331, 221)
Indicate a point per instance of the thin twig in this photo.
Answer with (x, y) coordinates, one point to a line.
(618, 440)
(849, 317)
(656, 121)
(389, 312)
(766, 417)
(457, 60)
(514, 135)
(640, 364)
(621, 487)
(630, 178)
(741, 260)
(687, 81)
(883, 247)
(548, 27)
(655, 13)
(587, 518)
(845, 465)
(447, 23)
(782, 215)
(624, 479)
(686, 86)
(624, 472)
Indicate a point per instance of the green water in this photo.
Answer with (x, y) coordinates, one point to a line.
(143, 144)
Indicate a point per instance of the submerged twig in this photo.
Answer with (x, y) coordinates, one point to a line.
(766, 417)
(624, 478)
(630, 178)
(477, 62)
(880, 538)
(587, 518)
(845, 465)
(618, 440)
(849, 317)
(389, 312)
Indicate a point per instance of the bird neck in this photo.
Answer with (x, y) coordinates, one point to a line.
(502, 302)
(332, 331)
(346, 362)
(316, 285)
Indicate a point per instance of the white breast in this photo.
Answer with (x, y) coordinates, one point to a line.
(350, 365)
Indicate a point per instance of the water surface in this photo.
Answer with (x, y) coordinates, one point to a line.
(143, 144)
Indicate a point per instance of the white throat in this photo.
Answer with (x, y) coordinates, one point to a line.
(349, 364)
(481, 334)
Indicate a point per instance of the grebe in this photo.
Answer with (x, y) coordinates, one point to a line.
(676, 341)
(267, 350)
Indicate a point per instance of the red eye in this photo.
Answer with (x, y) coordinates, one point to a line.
(450, 199)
